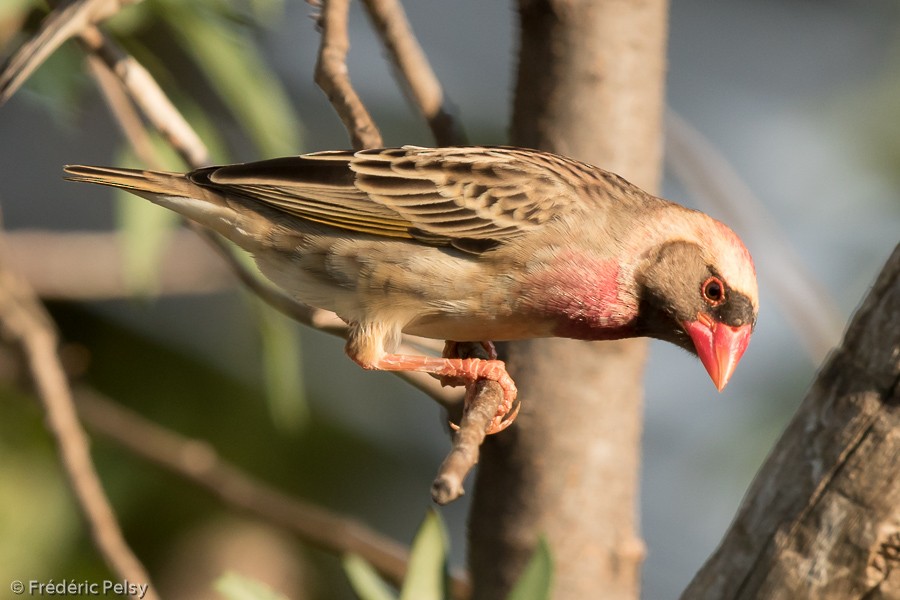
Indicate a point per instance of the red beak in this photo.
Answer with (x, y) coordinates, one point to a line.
(719, 346)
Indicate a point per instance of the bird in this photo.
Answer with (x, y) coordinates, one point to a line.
(472, 244)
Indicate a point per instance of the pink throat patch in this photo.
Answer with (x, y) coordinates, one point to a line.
(584, 296)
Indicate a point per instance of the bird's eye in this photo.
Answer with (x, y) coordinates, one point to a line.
(713, 291)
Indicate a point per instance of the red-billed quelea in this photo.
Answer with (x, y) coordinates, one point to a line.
(473, 244)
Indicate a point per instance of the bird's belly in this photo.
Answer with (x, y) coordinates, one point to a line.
(479, 328)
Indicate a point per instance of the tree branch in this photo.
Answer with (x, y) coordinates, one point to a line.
(417, 78)
(24, 319)
(463, 456)
(198, 463)
(331, 75)
(821, 519)
(146, 94)
(589, 85)
(88, 266)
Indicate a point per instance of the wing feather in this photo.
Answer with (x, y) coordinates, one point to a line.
(470, 197)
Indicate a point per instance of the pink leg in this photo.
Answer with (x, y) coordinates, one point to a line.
(465, 369)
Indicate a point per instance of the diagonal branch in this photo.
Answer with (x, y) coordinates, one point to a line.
(417, 78)
(331, 75)
(146, 94)
(199, 464)
(25, 320)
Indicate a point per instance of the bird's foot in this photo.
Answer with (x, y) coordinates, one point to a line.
(465, 371)
(462, 350)
(493, 370)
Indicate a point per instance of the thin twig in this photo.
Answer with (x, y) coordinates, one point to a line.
(149, 97)
(124, 111)
(25, 320)
(198, 463)
(417, 78)
(448, 484)
(421, 84)
(331, 75)
(64, 22)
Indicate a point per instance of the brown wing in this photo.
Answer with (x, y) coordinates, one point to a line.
(468, 197)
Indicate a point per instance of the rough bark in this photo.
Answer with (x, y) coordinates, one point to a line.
(590, 85)
(822, 518)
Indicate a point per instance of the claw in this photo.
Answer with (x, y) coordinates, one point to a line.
(508, 408)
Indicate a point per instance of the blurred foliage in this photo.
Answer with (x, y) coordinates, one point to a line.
(536, 580)
(43, 532)
(427, 577)
(233, 586)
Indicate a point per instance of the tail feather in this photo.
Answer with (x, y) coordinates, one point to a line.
(133, 180)
(177, 192)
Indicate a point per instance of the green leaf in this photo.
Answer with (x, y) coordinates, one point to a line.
(236, 69)
(365, 581)
(233, 586)
(427, 577)
(282, 362)
(536, 580)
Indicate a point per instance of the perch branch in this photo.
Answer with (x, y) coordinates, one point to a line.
(25, 320)
(198, 463)
(416, 75)
(331, 75)
(463, 456)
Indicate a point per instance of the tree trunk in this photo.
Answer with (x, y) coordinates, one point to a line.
(822, 518)
(590, 85)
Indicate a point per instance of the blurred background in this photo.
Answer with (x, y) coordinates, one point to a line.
(802, 98)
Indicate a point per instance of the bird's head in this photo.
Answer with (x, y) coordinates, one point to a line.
(700, 293)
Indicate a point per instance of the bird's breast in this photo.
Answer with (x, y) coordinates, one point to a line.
(586, 296)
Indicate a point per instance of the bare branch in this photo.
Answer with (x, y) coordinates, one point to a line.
(149, 97)
(331, 75)
(64, 22)
(416, 75)
(24, 319)
(448, 485)
(125, 113)
(198, 463)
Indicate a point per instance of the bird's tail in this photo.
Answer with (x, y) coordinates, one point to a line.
(133, 180)
(175, 191)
